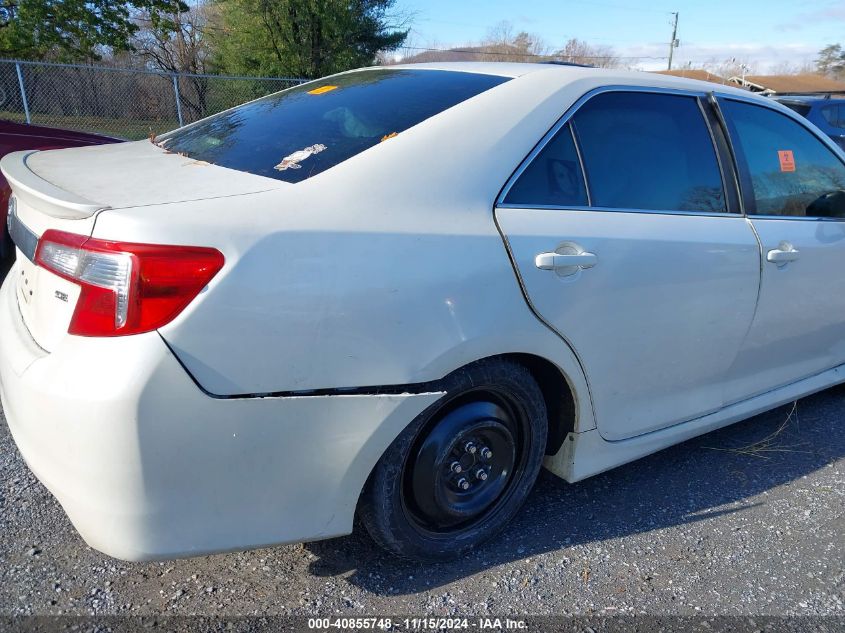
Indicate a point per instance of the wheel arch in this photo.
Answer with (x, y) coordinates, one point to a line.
(557, 370)
(558, 395)
(566, 395)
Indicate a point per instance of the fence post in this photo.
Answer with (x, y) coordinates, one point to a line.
(23, 93)
(178, 104)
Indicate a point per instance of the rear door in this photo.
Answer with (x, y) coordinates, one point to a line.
(627, 244)
(794, 188)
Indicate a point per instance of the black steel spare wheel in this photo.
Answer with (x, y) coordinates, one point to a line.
(462, 468)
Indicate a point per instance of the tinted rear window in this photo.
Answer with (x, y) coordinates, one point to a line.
(649, 151)
(554, 178)
(295, 134)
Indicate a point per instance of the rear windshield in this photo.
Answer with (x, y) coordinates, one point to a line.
(295, 134)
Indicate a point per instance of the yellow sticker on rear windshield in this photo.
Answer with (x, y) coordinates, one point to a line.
(322, 90)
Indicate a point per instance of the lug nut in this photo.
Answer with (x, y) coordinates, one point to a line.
(456, 467)
(486, 453)
(481, 474)
(470, 448)
(463, 484)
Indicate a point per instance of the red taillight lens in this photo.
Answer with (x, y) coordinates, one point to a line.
(126, 288)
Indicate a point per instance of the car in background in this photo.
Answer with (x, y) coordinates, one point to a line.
(22, 136)
(825, 112)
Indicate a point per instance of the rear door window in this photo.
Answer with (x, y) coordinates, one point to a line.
(649, 151)
(295, 134)
(553, 178)
(792, 172)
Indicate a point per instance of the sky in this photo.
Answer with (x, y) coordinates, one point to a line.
(764, 33)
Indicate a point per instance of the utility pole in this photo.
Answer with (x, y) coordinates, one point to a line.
(673, 43)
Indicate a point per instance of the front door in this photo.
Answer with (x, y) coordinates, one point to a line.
(639, 266)
(794, 188)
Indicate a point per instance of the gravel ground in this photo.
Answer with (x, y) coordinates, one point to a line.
(700, 528)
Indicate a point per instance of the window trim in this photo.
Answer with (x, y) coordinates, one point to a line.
(724, 152)
(574, 134)
(566, 118)
(744, 173)
(742, 176)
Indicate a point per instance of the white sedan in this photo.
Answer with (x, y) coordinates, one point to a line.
(398, 292)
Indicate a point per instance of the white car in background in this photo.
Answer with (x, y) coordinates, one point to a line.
(399, 291)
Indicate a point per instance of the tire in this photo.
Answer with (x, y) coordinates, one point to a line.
(419, 505)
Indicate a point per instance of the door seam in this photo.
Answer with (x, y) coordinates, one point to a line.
(540, 317)
(751, 323)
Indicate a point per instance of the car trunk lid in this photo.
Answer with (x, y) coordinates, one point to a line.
(136, 174)
(66, 189)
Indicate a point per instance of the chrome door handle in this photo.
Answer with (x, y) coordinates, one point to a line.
(783, 254)
(556, 261)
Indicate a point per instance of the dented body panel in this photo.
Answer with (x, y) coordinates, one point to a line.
(148, 467)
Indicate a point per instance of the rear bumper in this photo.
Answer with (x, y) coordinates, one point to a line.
(148, 467)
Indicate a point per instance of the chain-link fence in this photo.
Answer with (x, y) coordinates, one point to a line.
(120, 102)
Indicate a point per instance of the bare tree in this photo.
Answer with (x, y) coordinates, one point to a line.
(500, 33)
(503, 44)
(792, 68)
(733, 67)
(523, 46)
(178, 44)
(580, 52)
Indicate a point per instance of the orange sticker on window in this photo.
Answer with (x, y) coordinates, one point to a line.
(787, 160)
(322, 90)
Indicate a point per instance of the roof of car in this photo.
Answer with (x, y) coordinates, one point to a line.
(566, 74)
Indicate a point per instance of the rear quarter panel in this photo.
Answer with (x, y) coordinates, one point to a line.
(367, 274)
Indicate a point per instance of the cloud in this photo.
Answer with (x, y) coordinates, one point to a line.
(831, 13)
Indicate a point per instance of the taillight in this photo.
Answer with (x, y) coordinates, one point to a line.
(126, 288)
